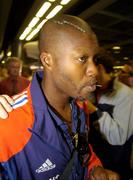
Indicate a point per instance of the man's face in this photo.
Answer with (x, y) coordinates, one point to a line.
(14, 69)
(74, 71)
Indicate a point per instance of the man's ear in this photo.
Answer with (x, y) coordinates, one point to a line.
(46, 60)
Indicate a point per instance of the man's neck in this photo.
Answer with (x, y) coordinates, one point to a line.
(61, 107)
(57, 100)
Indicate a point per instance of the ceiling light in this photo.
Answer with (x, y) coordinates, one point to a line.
(41, 24)
(32, 34)
(35, 31)
(24, 34)
(43, 9)
(37, 17)
(54, 11)
(33, 22)
(9, 53)
(116, 47)
(64, 2)
(34, 67)
(51, 0)
(125, 58)
(118, 67)
(3, 62)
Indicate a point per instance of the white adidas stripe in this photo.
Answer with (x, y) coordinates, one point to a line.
(20, 104)
(20, 101)
(20, 98)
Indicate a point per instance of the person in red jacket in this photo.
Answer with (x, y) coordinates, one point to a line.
(47, 125)
(15, 82)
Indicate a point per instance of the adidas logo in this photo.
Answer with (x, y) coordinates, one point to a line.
(46, 166)
(54, 178)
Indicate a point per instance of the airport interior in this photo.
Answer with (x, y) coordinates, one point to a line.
(111, 20)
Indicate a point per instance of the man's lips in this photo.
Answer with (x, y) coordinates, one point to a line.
(91, 83)
(90, 86)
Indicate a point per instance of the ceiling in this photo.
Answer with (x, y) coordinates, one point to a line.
(112, 21)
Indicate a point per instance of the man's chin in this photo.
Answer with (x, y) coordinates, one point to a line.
(83, 96)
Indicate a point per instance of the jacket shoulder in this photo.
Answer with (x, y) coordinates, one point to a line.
(14, 130)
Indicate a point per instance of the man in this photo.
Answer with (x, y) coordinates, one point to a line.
(46, 127)
(14, 83)
(126, 74)
(112, 118)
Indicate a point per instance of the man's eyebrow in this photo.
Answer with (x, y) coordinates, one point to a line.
(71, 24)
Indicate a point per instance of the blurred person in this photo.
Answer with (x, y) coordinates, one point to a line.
(46, 126)
(130, 80)
(14, 83)
(126, 74)
(111, 118)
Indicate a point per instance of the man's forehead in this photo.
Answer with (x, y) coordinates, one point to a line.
(68, 21)
(84, 50)
(64, 27)
(14, 63)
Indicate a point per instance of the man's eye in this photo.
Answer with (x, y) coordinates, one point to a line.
(83, 59)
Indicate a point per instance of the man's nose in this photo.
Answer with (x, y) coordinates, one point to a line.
(91, 68)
